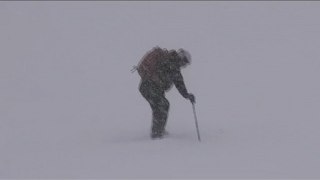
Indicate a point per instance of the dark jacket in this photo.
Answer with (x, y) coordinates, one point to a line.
(169, 73)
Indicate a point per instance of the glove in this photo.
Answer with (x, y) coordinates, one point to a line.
(191, 98)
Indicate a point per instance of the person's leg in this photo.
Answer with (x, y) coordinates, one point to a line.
(159, 105)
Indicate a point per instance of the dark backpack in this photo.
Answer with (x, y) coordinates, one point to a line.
(148, 67)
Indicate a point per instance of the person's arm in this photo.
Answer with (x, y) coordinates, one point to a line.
(180, 85)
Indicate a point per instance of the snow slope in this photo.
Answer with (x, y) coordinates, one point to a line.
(70, 107)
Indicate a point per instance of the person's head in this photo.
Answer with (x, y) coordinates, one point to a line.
(184, 57)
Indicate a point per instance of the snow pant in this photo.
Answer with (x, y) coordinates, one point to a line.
(159, 105)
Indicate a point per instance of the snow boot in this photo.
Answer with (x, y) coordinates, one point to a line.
(156, 135)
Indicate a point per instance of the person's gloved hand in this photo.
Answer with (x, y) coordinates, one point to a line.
(191, 98)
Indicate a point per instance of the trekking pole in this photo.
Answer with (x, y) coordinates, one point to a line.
(196, 121)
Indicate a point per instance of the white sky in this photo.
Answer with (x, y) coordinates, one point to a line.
(70, 107)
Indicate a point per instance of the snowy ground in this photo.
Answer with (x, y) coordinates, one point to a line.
(70, 107)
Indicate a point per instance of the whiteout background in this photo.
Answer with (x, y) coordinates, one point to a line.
(70, 107)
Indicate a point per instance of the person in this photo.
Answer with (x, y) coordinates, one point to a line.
(159, 78)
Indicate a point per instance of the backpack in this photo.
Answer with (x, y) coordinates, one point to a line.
(148, 66)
